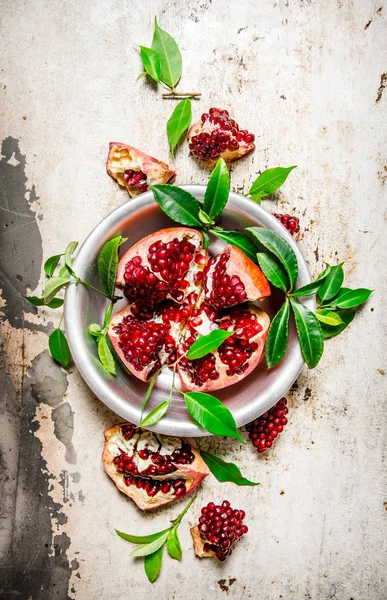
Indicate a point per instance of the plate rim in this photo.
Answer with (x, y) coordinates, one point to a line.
(76, 339)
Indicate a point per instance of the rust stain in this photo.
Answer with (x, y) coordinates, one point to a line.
(383, 83)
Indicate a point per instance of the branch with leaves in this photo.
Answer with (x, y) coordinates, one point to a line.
(151, 546)
(163, 63)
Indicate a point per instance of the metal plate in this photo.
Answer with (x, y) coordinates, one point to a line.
(124, 393)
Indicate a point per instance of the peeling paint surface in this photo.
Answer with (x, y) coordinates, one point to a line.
(309, 79)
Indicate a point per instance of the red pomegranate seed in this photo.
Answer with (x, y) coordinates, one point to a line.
(218, 528)
(267, 427)
(292, 224)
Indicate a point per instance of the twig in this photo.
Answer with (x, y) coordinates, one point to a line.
(182, 95)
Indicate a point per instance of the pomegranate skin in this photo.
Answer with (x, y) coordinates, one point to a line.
(192, 474)
(232, 147)
(123, 159)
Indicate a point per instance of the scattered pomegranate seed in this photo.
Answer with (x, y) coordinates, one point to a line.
(292, 224)
(264, 430)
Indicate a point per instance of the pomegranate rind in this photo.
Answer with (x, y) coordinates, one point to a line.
(123, 157)
(227, 155)
(167, 235)
(193, 474)
(224, 379)
(198, 544)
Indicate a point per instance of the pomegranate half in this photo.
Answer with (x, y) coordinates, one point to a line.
(135, 170)
(216, 136)
(177, 294)
(151, 469)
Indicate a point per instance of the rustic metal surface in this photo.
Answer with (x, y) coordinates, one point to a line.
(309, 79)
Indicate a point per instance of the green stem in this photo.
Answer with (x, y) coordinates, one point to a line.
(178, 519)
(92, 288)
(61, 319)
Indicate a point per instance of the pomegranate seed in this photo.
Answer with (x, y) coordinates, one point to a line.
(268, 426)
(217, 528)
(292, 224)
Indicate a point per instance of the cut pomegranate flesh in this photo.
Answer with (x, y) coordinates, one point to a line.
(135, 170)
(217, 136)
(151, 469)
(170, 307)
(218, 530)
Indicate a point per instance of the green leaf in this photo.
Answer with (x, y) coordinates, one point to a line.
(55, 302)
(238, 239)
(68, 256)
(278, 336)
(178, 123)
(173, 544)
(155, 415)
(280, 248)
(348, 298)
(59, 347)
(152, 564)
(217, 190)
(268, 182)
(141, 539)
(51, 264)
(53, 286)
(224, 471)
(210, 413)
(64, 272)
(178, 204)
(346, 316)
(207, 343)
(205, 219)
(140, 76)
(273, 270)
(312, 288)
(95, 330)
(151, 547)
(309, 334)
(151, 61)
(107, 263)
(108, 315)
(106, 356)
(328, 317)
(170, 56)
(332, 283)
(206, 239)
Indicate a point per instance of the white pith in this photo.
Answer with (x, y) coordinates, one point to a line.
(147, 440)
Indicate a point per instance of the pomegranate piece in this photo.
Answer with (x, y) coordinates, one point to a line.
(151, 469)
(176, 294)
(264, 430)
(218, 530)
(217, 136)
(135, 170)
(292, 224)
(162, 265)
(234, 359)
(232, 278)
